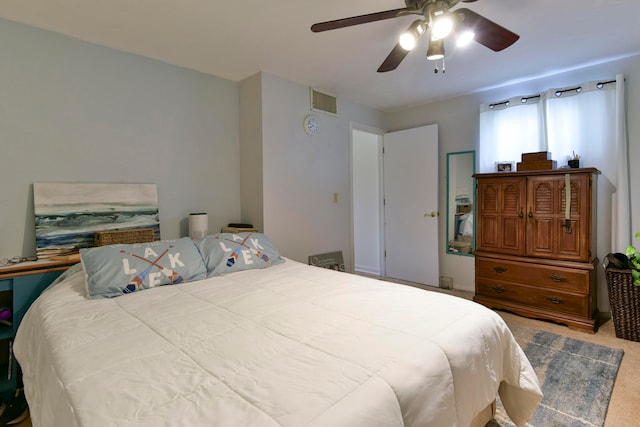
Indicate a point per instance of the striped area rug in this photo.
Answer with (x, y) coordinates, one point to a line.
(577, 379)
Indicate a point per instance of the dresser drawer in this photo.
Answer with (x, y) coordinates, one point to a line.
(549, 299)
(538, 275)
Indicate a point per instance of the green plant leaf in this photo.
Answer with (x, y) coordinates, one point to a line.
(634, 261)
(636, 277)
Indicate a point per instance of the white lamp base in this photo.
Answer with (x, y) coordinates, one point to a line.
(198, 225)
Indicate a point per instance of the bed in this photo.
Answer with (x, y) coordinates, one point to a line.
(261, 344)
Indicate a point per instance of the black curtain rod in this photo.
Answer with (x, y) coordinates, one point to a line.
(578, 89)
(599, 85)
(497, 104)
(524, 99)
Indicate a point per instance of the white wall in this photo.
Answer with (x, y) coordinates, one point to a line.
(301, 172)
(458, 122)
(71, 111)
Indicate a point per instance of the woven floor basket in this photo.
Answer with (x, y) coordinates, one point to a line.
(137, 235)
(624, 298)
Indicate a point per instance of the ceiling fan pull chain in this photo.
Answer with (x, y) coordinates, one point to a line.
(443, 69)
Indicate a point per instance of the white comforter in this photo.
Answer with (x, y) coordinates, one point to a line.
(290, 345)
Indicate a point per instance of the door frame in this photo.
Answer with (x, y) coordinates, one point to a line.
(379, 133)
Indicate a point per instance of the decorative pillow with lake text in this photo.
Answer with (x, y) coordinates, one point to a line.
(121, 269)
(229, 252)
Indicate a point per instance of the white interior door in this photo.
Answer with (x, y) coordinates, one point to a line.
(411, 204)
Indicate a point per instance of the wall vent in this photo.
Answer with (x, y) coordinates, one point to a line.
(324, 102)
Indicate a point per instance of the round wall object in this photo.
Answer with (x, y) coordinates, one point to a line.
(311, 124)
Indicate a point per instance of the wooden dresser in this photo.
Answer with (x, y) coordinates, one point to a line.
(535, 254)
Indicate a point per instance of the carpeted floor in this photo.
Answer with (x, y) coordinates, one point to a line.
(577, 379)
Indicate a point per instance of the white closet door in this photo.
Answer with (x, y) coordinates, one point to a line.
(411, 204)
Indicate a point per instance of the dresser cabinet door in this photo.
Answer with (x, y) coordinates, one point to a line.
(549, 233)
(501, 215)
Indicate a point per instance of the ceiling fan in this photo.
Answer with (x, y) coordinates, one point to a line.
(440, 19)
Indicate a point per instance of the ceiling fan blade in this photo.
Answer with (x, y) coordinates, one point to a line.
(468, 1)
(394, 59)
(487, 32)
(356, 20)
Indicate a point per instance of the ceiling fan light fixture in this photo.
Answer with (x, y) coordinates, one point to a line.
(409, 38)
(436, 49)
(442, 27)
(464, 38)
(441, 23)
(436, 16)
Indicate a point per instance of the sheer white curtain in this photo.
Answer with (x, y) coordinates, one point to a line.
(588, 120)
(621, 201)
(508, 129)
(582, 122)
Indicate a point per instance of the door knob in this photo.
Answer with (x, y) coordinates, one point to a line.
(432, 214)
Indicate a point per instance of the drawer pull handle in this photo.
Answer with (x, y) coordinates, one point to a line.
(558, 278)
(499, 269)
(556, 300)
(498, 289)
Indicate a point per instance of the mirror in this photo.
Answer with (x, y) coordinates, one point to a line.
(461, 197)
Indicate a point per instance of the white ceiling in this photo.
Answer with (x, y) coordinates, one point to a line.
(235, 39)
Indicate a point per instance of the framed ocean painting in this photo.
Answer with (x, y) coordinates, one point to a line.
(67, 215)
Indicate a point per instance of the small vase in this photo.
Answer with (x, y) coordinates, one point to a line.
(574, 163)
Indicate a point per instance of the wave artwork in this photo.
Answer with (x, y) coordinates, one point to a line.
(67, 216)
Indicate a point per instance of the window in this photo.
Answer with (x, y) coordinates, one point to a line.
(588, 120)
